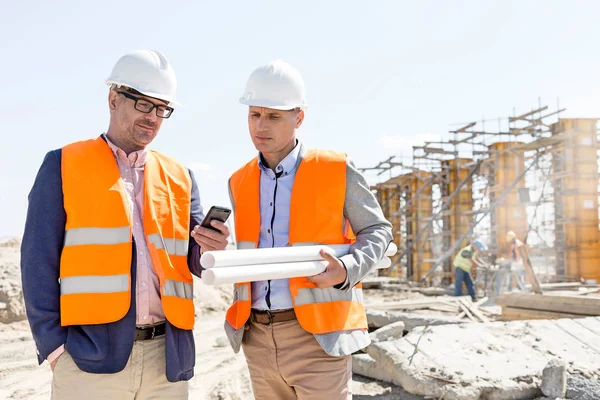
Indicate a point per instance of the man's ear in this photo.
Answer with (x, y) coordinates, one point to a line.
(113, 98)
(299, 118)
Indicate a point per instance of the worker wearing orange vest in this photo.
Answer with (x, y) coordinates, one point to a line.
(106, 257)
(298, 334)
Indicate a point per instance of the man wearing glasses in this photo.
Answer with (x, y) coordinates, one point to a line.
(107, 255)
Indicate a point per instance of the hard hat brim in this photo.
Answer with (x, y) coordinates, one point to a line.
(270, 104)
(149, 94)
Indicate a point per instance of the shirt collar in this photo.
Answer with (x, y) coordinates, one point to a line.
(137, 159)
(287, 165)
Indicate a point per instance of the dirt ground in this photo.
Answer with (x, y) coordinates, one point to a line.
(220, 374)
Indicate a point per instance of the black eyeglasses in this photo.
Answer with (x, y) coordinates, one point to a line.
(146, 106)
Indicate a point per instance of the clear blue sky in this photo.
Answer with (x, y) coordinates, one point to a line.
(380, 75)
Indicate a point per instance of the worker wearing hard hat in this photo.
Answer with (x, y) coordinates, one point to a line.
(107, 253)
(298, 334)
(514, 243)
(464, 261)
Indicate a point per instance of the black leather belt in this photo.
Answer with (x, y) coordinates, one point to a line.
(267, 317)
(150, 332)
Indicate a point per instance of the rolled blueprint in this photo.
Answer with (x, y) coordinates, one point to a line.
(229, 258)
(251, 273)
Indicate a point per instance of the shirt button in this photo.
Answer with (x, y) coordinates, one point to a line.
(143, 283)
(137, 223)
(145, 317)
(271, 204)
(126, 170)
(268, 231)
(141, 253)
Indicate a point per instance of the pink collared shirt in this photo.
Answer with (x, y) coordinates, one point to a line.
(147, 288)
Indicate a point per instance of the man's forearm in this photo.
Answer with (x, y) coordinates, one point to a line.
(373, 231)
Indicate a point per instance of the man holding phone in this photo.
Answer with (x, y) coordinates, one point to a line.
(298, 334)
(106, 257)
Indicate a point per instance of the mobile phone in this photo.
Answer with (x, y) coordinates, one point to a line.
(216, 212)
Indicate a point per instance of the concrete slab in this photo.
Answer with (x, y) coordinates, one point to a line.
(378, 319)
(388, 332)
(493, 361)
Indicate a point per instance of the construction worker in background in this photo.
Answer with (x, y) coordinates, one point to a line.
(515, 257)
(514, 243)
(298, 334)
(464, 261)
(106, 257)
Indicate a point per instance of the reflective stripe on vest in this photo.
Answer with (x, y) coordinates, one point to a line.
(96, 259)
(241, 293)
(94, 284)
(175, 247)
(79, 236)
(178, 289)
(327, 295)
(316, 217)
(245, 245)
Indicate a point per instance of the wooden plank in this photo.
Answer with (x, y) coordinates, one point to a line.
(560, 286)
(580, 332)
(593, 324)
(474, 310)
(481, 301)
(589, 291)
(467, 312)
(563, 304)
(512, 313)
(529, 269)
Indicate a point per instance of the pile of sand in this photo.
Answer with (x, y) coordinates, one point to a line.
(12, 307)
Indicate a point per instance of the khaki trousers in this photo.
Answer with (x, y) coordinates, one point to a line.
(287, 363)
(143, 378)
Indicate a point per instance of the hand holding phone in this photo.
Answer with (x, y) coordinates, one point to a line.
(211, 238)
(215, 213)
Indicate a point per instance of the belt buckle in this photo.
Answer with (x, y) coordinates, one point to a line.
(152, 332)
(270, 317)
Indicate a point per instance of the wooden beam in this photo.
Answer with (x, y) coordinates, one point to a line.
(474, 310)
(535, 284)
(512, 314)
(467, 312)
(574, 305)
(561, 286)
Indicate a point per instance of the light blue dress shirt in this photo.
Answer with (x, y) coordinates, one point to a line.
(275, 196)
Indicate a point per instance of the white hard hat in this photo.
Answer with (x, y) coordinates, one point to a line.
(275, 85)
(147, 71)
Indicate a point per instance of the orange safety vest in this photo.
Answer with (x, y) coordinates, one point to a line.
(316, 217)
(95, 264)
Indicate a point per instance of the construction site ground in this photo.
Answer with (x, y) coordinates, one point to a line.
(434, 345)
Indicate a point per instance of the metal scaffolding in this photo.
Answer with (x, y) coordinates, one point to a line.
(534, 173)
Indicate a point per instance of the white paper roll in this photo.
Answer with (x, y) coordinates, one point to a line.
(252, 273)
(229, 258)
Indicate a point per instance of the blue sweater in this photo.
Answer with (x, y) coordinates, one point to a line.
(103, 348)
